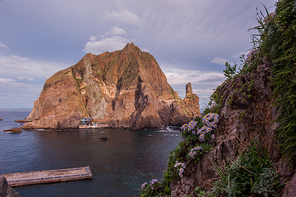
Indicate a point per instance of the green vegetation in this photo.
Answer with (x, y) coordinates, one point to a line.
(199, 192)
(196, 135)
(230, 100)
(277, 34)
(81, 104)
(58, 75)
(230, 71)
(242, 115)
(130, 72)
(274, 41)
(252, 173)
(83, 88)
(215, 103)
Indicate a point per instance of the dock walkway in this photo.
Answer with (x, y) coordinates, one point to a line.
(48, 176)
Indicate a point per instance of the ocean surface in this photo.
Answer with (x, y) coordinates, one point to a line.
(119, 165)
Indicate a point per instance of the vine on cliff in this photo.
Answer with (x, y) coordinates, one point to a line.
(276, 39)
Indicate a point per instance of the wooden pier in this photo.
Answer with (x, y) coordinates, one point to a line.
(48, 176)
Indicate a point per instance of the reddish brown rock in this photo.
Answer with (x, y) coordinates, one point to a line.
(191, 101)
(125, 88)
(188, 88)
(22, 120)
(13, 130)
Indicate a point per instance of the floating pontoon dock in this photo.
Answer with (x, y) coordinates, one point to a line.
(48, 176)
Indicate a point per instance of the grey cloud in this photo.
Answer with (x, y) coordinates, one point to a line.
(218, 60)
(212, 79)
(194, 76)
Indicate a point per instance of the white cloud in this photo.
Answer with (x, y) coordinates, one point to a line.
(3, 46)
(181, 76)
(26, 69)
(93, 38)
(26, 78)
(218, 60)
(19, 58)
(4, 82)
(116, 31)
(13, 62)
(238, 55)
(105, 44)
(125, 16)
(144, 50)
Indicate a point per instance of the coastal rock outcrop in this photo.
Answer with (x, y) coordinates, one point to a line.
(125, 88)
(6, 190)
(14, 130)
(243, 118)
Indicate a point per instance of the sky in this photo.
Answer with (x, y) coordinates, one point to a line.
(190, 39)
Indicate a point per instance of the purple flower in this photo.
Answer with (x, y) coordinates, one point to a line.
(144, 185)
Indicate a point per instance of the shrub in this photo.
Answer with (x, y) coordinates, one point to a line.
(251, 173)
(276, 40)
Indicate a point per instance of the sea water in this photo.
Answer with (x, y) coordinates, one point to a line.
(119, 165)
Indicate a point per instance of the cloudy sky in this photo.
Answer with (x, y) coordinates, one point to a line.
(190, 39)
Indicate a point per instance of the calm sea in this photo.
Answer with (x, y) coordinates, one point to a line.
(119, 165)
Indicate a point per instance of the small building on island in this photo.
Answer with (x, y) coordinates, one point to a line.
(88, 122)
(85, 122)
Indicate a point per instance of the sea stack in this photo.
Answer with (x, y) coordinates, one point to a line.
(125, 89)
(188, 88)
(191, 101)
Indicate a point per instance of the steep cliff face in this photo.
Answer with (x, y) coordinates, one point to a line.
(125, 88)
(243, 118)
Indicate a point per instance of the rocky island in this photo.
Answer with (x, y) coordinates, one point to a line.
(125, 89)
